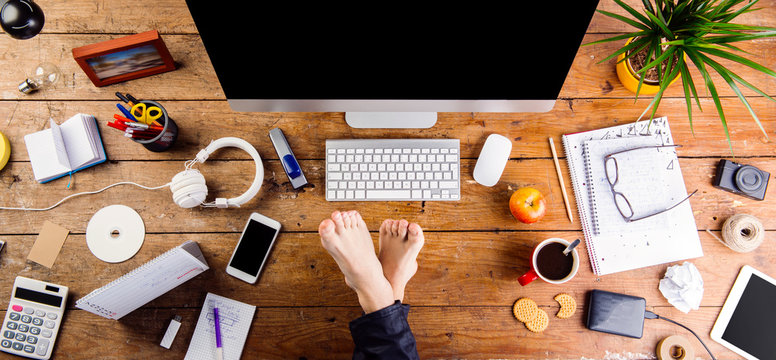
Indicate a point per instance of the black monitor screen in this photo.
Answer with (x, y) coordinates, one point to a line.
(470, 51)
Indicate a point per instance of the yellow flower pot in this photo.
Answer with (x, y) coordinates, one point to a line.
(5, 150)
(630, 80)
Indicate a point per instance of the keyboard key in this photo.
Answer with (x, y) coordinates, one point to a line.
(448, 184)
(386, 194)
(42, 347)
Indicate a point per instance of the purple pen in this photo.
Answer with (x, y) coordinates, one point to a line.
(219, 349)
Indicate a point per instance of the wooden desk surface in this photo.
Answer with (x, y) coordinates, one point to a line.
(464, 290)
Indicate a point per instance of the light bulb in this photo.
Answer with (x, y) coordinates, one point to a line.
(45, 75)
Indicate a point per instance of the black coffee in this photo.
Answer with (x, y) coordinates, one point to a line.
(551, 262)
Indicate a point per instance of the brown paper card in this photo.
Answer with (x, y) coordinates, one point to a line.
(48, 244)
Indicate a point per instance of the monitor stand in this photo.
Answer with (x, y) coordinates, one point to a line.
(391, 120)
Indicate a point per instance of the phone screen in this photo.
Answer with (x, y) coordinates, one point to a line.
(253, 248)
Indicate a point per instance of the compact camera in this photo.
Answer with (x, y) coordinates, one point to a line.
(741, 179)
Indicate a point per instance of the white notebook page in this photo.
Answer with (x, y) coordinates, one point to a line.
(235, 320)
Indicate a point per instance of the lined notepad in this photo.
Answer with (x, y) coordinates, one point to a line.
(235, 320)
(64, 149)
(650, 179)
(146, 282)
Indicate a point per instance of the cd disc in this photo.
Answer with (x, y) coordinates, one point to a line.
(115, 233)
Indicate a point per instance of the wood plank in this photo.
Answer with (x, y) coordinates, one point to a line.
(766, 16)
(202, 122)
(85, 16)
(194, 78)
(302, 210)
(471, 269)
(441, 332)
(586, 78)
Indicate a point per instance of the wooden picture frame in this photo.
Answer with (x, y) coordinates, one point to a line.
(125, 58)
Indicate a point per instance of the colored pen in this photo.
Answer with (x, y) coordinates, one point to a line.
(122, 97)
(219, 348)
(125, 112)
(132, 99)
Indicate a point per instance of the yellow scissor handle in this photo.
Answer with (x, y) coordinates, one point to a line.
(139, 112)
(146, 115)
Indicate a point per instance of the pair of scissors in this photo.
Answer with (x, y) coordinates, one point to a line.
(147, 115)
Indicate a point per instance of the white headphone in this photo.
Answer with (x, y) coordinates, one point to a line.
(188, 186)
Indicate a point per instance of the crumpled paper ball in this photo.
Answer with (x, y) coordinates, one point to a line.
(682, 286)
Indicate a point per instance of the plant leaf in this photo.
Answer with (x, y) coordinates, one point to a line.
(693, 55)
(630, 22)
(724, 73)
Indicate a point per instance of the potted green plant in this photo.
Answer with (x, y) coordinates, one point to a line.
(669, 33)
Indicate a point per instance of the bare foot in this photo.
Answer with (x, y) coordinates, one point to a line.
(400, 243)
(348, 241)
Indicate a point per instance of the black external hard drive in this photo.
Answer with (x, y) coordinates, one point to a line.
(615, 313)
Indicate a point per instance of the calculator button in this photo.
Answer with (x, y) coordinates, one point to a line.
(34, 330)
(46, 333)
(29, 349)
(29, 310)
(17, 308)
(37, 321)
(32, 340)
(14, 316)
(11, 325)
(8, 334)
(18, 346)
(21, 337)
(42, 347)
(51, 316)
(49, 324)
(26, 319)
(5, 343)
(40, 313)
(23, 328)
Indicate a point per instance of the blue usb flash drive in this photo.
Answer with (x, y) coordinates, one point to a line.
(286, 156)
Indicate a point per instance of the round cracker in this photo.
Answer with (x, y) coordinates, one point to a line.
(568, 306)
(525, 309)
(540, 323)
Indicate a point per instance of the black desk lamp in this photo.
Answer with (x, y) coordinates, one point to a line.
(21, 19)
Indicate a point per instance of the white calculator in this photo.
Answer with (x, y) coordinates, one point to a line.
(32, 321)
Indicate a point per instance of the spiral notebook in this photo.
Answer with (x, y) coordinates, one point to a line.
(145, 283)
(235, 320)
(613, 244)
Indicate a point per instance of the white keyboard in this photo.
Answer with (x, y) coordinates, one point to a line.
(393, 170)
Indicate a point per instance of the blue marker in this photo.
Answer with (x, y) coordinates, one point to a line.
(126, 112)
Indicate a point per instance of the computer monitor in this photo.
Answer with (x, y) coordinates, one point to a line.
(380, 59)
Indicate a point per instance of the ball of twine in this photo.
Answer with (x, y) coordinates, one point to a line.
(743, 233)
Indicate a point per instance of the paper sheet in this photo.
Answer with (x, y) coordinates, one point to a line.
(235, 319)
(48, 244)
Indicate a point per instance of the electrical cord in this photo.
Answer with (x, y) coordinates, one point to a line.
(650, 315)
(86, 193)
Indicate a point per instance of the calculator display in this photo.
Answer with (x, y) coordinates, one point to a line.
(38, 297)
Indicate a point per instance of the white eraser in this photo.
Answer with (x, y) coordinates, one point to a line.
(172, 330)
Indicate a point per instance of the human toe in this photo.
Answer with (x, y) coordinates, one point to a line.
(338, 219)
(415, 234)
(402, 231)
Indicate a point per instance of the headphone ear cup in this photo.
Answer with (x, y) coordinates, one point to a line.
(188, 188)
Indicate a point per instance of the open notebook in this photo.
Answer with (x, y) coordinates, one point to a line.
(651, 180)
(145, 283)
(64, 149)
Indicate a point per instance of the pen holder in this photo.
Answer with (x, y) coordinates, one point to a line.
(167, 137)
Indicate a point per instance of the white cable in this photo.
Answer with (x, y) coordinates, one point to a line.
(88, 193)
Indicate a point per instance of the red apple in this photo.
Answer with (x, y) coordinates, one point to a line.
(527, 205)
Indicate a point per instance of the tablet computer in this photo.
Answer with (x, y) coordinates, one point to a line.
(747, 322)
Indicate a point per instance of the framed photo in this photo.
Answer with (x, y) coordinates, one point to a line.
(125, 58)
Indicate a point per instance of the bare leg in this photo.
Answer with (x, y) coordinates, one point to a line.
(348, 241)
(400, 243)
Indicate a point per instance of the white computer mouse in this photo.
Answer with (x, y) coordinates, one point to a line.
(493, 158)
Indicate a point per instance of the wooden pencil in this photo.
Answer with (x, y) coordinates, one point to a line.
(560, 179)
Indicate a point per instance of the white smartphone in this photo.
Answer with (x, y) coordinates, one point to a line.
(253, 249)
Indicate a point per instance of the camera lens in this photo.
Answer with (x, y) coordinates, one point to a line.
(749, 179)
